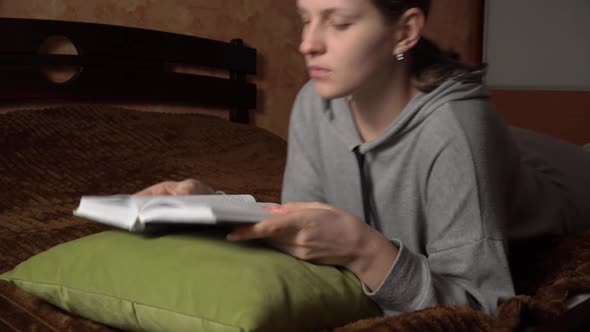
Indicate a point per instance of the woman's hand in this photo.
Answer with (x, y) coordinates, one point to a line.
(186, 187)
(324, 234)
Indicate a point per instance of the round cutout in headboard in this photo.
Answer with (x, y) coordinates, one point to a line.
(59, 45)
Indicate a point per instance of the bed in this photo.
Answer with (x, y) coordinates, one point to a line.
(83, 144)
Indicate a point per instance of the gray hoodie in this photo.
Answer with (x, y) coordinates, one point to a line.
(446, 182)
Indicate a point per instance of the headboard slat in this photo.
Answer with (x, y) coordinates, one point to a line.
(123, 63)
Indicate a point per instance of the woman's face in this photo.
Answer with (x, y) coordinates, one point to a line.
(344, 43)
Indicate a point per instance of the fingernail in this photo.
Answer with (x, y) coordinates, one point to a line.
(275, 209)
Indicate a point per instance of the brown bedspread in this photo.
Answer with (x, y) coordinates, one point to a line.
(49, 158)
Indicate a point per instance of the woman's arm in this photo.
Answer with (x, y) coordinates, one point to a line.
(466, 208)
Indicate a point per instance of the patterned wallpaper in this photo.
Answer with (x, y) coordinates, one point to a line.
(270, 26)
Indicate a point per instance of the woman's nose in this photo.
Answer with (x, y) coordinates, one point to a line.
(311, 43)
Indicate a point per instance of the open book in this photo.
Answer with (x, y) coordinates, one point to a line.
(134, 213)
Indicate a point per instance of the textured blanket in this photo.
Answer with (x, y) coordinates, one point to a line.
(49, 158)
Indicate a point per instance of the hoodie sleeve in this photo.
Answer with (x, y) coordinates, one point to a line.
(301, 179)
(465, 210)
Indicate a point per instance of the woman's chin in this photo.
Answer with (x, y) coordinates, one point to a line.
(326, 90)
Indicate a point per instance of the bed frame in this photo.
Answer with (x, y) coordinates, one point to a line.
(117, 63)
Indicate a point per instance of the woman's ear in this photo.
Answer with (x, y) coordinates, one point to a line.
(410, 27)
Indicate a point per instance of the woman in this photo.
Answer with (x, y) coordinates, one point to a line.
(399, 169)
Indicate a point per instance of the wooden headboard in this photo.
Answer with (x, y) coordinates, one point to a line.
(117, 63)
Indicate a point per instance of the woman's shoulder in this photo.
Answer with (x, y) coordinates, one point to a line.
(468, 127)
(463, 109)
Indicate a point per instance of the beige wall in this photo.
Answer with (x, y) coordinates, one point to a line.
(271, 26)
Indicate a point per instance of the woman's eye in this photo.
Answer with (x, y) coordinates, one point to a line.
(341, 26)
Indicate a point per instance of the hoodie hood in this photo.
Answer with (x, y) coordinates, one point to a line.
(420, 107)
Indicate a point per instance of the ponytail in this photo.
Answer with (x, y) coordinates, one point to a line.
(431, 66)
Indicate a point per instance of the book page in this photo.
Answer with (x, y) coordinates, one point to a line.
(142, 201)
(148, 203)
(242, 213)
(115, 210)
(201, 209)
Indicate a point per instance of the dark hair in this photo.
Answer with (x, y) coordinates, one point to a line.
(430, 66)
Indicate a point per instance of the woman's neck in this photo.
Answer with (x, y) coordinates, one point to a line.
(379, 103)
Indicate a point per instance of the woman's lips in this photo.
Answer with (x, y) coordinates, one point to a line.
(318, 72)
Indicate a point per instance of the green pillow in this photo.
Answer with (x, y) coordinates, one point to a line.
(191, 282)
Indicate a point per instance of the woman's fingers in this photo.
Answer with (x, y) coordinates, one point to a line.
(264, 229)
(185, 187)
(288, 219)
(193, 187)
(298, 206)
(163, 188)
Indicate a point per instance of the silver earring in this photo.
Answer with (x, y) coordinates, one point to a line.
(400, 56)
